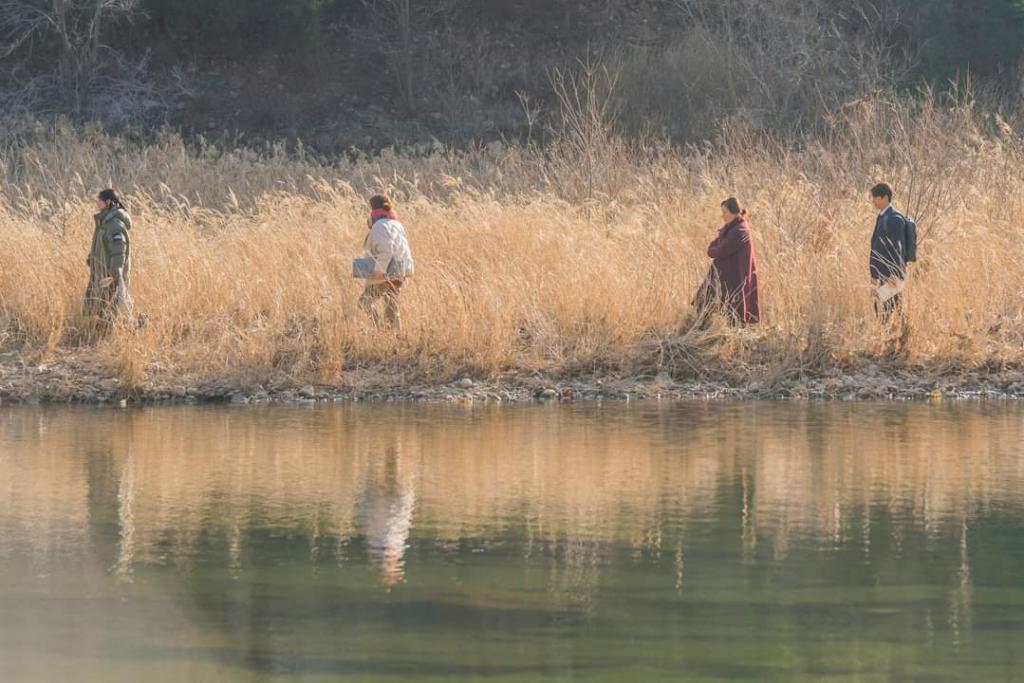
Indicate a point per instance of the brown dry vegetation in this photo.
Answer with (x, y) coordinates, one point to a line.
(577, 258)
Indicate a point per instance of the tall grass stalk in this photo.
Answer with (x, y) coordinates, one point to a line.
(242, 256)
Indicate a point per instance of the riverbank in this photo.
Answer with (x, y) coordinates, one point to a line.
(74, 381)
(530, 277)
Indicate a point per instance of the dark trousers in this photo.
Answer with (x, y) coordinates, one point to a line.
(893, 314)
(886, 309)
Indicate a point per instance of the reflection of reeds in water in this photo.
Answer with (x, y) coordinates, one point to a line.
(43, 489)
(933, 470)
(571, 477)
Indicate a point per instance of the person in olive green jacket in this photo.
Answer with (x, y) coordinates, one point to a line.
(107, 297)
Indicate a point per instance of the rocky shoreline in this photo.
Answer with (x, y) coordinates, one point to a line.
(68, 383)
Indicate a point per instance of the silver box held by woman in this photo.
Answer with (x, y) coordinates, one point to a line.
(396, 270)
(365, 268)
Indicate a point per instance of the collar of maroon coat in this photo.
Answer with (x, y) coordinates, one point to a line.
(739, 221)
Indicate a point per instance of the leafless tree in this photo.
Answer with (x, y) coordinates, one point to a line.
(593, 157)
(410, 23)
(789, 58)
(72, 29)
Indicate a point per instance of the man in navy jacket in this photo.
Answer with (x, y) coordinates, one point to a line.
(889, 247)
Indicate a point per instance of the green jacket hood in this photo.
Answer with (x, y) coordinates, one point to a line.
(115, 214)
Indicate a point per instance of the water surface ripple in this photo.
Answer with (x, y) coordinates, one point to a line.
(641, 542)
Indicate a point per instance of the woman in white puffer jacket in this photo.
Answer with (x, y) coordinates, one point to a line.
(387, 244)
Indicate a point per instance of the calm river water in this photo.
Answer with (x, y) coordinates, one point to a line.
(694, 542)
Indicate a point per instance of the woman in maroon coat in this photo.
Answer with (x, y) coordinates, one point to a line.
(731, 284)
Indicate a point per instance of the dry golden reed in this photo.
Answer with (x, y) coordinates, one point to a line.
(526, 261)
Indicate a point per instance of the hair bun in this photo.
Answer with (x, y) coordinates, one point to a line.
(109, 195)
(381, 202)
(732, 205)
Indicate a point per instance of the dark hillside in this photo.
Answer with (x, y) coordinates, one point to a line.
(369, 73)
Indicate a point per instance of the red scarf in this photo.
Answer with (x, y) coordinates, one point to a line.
(377, 214)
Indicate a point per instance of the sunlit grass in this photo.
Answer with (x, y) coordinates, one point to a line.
(241, 258)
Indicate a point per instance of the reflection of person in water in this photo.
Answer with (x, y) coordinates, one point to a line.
(386, 512)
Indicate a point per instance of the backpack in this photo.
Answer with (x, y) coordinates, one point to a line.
(909, 239)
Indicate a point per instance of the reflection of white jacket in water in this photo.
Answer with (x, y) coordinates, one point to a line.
(387, 241)
(388, 520)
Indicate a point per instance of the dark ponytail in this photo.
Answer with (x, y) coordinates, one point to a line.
(732, 205)
(109, 195)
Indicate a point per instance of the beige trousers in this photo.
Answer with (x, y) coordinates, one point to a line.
(386, 292)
